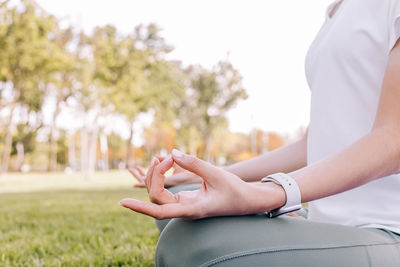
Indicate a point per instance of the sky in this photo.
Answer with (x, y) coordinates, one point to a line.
(266, 40)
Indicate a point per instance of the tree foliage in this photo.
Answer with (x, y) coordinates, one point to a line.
(100, 74)
(209, 96)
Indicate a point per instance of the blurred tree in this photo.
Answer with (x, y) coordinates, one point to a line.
(24, 60)
(62, 149)
(189, 136)
(119, 71)
(160, 135)
(133, 73)
(88, 98)
(103, 73)
(116, 149)
(60, 82)
(163, 84)
(209, 96)
(25, 137)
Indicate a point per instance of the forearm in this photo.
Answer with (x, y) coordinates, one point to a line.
(375, 155)
(285, 159)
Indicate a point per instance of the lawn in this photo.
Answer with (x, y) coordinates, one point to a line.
(74, 227)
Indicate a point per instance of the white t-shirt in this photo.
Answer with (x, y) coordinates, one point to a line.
(345, 67)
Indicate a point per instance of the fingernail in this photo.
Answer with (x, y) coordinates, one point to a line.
(177, 154)
(120, 203)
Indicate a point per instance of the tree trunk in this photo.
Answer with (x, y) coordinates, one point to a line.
(53, 142)
(129, 147)
(71, 152)
(92, 152)
(8, 141)
(104, 151)
(84, 152)
(20, 156)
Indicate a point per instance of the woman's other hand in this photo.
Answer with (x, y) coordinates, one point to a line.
(139, 173)
(221, 192)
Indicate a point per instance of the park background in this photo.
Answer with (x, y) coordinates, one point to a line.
(89, 89)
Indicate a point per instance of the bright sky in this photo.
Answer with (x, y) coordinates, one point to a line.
(266, 40)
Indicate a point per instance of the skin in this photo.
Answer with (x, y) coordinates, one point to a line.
(139, 173)
(222, 192)
(180, 176)
(286, 159)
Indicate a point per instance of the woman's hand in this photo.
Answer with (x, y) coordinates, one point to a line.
(180, 176)
(139, 173)
(221, 192)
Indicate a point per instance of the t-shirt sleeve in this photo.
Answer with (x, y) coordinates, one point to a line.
(394, 23)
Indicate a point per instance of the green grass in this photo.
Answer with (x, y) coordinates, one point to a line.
(74, 228)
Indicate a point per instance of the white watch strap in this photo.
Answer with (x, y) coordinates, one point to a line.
(293, 196)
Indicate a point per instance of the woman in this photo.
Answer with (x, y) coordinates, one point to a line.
(345, 166)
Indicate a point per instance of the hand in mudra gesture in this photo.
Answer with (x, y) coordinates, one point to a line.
(221, 192)
(139, 173)
(179, 176)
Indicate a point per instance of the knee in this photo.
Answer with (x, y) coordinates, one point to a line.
(177, 244)
(193, 243)
(190, 243)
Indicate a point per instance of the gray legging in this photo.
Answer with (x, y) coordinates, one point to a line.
(255, 240)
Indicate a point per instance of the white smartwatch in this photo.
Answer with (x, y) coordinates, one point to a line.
(293, 196)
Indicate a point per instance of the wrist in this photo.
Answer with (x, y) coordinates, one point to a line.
(292, 192)
(267, 196)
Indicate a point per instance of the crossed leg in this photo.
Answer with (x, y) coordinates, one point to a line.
(255, 240)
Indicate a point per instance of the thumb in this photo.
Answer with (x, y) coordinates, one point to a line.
(200, 167)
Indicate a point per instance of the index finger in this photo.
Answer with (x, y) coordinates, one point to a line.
(149, 175)
(158, 174)
(136, 175)
(141, 170)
